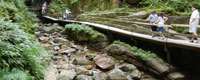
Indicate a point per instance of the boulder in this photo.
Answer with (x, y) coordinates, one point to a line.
(127, 67)
(37, 34)
(82, 61)
(178, 20)
(82, 71)
(105, 63)
(117, 74)
(49, 29)
(78, 47)
(83, 77)
(44, 39)
(116, 49)
(100, 76)
(135, 74)
(68, 51)
(51, 72)
(176, 76)
(140, 14)
(89, 67)
(67, 75)
(60, 40)
(56, 48)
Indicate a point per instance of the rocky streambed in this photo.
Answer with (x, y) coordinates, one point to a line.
(75, 61)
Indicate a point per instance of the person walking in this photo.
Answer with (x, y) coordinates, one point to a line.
(67, 12)
(44, 6)
(161, 21)
(194, 22)
(153, 18)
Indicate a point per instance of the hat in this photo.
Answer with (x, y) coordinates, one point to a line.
(153, 11)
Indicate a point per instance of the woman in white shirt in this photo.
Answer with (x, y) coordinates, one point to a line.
(161, 21)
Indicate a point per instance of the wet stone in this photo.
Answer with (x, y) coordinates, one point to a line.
(67, 75)
(83, 77)
(117, 74)
(68, 51)
(56, 48)
(82, 70)
(105, 63)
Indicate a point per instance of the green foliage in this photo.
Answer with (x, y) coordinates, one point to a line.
(84, 31)
(181, 29)
(144, 55)
(125, 8)
(57, 7)
(21, 57)
(19, 50)
(180, 7)
(15, 74)
(138, 52)
(16, 11)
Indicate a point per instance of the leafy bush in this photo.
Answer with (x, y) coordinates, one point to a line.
(15, 74)
(180, 7)
(84, 33)
(57, 7)
(21, 57)
(19, 50)
(17, 12)
(138, 52)
(144, 55)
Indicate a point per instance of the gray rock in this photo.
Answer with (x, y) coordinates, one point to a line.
(127, 67)
(68, 51)
(60, 40)
(140, 14)
(83, 77)
(117, 74)
(56, 48)
(77, 47)
(176, 76)
(51, 72)
(67, 75)
(82, 61)
(37, 34)
(82, 71)
(105, 63)
(100, 76)
(44, 39)
(49, 29)
(135, 74)
(116, 49)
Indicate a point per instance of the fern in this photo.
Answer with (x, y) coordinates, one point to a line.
(85, 31)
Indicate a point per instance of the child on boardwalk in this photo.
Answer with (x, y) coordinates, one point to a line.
(161, 21)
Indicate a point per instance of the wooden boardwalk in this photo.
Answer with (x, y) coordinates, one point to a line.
(185, 44)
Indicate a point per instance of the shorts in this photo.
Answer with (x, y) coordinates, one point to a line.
(43, 8)
(153, 28)
(192, 29)
(160, 29)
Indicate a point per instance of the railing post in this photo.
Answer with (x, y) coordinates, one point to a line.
(168, 54)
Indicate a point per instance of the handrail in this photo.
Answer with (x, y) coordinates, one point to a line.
(184, 25)
(143, 23)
